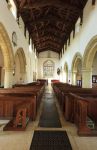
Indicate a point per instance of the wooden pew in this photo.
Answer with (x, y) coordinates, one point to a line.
(81, 109)
(60, 88)
(26, 84)
(20, 121)
(62, 91)
(12, 106)
(37, 91)
(23, 100)
(9, 103)
(78, 106)
(42, 81)
(70, 105)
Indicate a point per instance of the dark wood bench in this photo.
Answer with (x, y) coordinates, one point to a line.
(20, 121)
(23, 100)
(42, 81)
(8, 105)
(12, 106)
(37, 91)
(69, 104)
(62, 91)
(80, 110)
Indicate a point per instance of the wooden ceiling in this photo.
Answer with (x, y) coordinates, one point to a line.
(50, 22)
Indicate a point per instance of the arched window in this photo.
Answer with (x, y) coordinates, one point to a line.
(48, 69)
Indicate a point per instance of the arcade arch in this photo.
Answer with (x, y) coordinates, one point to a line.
(77, 70)
(65, 76)
(89, 59)
(8, 57)
(20, 66)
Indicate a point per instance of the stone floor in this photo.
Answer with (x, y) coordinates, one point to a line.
(21, 140)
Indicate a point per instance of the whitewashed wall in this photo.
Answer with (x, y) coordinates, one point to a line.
(10, 24)
(83, 34)
(44, 56)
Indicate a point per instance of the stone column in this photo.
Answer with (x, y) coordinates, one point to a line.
(23, 77)
(87, 78)
(69, 76)
(74, 77)
(8, 79)
(2, 76)
(61, 76)
(64, 77)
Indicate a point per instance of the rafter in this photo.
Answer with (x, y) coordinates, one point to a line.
(93, 2)
(50, 22)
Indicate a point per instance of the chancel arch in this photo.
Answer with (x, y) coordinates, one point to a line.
(20, 66)
(65, 74)
(77, 70)
(89, 61)
(8, 57)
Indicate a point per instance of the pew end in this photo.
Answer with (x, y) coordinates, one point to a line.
(20, 121)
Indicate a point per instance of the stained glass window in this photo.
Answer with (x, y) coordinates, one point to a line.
(48, 68)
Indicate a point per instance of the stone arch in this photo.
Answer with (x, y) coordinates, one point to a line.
(76, 59)
(88, 57)
(20, 66)
(47, 61)
(65, 76)
(77, 69)
(89, 53)
(7, 51)
(6, 48)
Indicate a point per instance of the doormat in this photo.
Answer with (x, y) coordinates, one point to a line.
(50, 140)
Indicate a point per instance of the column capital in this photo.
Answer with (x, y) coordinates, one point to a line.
(86, 69)
(74, 71)
(8, 69)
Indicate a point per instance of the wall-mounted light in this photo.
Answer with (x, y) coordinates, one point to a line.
(58, 71)
(13, 72)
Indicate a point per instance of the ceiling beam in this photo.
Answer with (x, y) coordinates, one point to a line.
(50, 23)
(93, 2)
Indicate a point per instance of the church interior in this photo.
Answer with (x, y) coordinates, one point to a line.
(48, 75)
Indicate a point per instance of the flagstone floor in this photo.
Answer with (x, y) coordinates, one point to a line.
(10, 140)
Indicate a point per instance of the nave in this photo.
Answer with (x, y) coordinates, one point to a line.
(54, 40)
(49, 116)
(22, 140)
(49, 119)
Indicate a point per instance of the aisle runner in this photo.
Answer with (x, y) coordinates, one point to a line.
(50, 140)
(49, 116)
